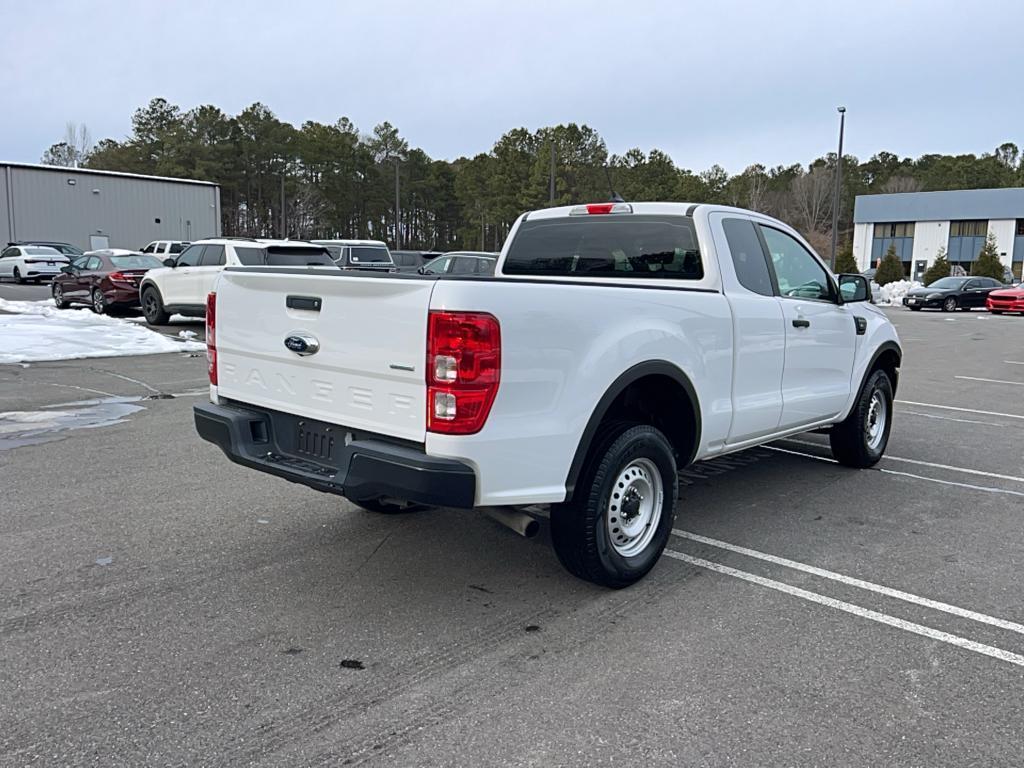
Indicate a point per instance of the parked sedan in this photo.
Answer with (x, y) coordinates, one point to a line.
(103, 280)
(30, 262)
(462, 263)
(1006, 300)
(952, 293)
(67, 249)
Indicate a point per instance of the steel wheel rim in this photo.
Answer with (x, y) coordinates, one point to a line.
(878, 416)
(634, 507)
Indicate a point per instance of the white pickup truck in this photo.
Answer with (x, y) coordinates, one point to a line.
(614, 345)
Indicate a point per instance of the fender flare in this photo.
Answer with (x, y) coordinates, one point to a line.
(886, 346)
(617, 387)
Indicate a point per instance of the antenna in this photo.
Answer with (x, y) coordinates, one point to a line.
(615, 196)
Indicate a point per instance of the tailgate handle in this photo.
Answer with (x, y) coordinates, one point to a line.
(311, 303)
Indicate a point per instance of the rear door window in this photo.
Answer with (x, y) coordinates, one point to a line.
(94, 263)
(191, 256)
(213, 256)
(748, 256)
(463, 265)
(613, 245)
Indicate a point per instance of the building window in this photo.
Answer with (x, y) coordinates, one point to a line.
(895, 229)
(968, 228)
(1020, 227)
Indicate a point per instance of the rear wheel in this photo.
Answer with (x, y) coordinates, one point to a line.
(153, 307)
(17, 276)
(860, 440)
(99, 301)
(915, 309)
(996, 311)
(58, 297)
(618, 522)
(949, 305)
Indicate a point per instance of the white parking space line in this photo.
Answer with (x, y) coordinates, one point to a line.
(856, 610)
(962, 410)
(881, 589)
(969, 486)
(887, 457)
(1013, 362)
(950, 418)
(991, 381)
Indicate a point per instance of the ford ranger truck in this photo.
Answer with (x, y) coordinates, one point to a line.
(615, 344)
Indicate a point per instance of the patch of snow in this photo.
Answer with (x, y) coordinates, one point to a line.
(187, 334)
(892, 294)
(39, 331)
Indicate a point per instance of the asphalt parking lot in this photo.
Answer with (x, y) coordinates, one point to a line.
(161, 606)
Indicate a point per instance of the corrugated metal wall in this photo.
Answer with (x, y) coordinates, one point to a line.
(130, 211)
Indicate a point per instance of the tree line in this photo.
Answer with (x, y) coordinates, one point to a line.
(322, 181)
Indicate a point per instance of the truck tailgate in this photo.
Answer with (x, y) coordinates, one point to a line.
(368, 371)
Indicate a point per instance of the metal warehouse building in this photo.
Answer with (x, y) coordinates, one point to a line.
(103, 209)
(918, 224)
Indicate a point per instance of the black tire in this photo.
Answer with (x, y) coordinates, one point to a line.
(996, 311)
(853, 444)
(383, 507)
(582, 529)
(58, 297)
(153, 307)
(915, 309)
(17, 277)
(98, 301)
(949, 304)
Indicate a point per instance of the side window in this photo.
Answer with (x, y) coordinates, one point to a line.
(464, 265)
(80, 262)
(149, 248)
(94, 263)
(748, 256)
(8, 253)
(438, 267)
(213, 256)
(177, 247)
(191, 256)
(798, 273)
(250, 256)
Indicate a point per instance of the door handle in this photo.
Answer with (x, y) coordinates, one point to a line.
(800, 323)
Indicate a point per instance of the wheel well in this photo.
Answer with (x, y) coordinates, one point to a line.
(889, 361)
(662, 398)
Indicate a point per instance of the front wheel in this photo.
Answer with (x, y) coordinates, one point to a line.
(860, 440)
(996, 311)
(949, 305)
(915, 309)
(153, 307)
(615, 527)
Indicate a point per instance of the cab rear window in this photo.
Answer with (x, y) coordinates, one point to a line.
(615, 245)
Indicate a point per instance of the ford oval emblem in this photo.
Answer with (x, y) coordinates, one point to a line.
(302, 344)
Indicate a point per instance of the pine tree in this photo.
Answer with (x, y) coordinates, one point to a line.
(845, 263)
(988, 263)
(891, 268)
(939, 268)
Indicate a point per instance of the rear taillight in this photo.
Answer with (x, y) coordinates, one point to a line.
(211, 335)
(463, 370)
(119, 277)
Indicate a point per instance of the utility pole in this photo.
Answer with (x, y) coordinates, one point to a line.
(398, 234)
(839, 180)
(284, 232)
(551, 199)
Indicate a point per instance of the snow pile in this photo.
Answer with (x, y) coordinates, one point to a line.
(39, 331)
(893, 293)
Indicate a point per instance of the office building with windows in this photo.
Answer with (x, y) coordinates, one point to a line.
(920, 224)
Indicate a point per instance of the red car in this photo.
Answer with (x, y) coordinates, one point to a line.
(1006, 300)
(102, 280)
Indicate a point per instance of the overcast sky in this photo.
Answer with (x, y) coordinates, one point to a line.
(714, 81)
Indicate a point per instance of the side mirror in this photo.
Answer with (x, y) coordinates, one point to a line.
(854, 288)
(67, 269)
(170, 262)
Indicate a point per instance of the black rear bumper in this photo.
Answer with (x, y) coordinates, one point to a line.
(359, 467)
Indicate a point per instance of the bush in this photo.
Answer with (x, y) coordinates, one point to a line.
(891, 268)
(988, 263)
(845, 263)
(939, 269)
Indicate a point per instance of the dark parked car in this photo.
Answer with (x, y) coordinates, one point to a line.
(103, 279)
(411, 261)
(462, 263)
(951, 293)
(65, 248)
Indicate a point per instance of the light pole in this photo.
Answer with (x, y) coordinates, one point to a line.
(839, 179)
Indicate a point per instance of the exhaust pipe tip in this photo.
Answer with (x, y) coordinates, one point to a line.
(515, 520)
